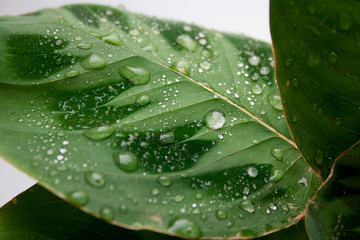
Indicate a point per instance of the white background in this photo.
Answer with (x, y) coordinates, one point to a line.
(249, 17)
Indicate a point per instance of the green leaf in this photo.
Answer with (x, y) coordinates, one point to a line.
(316, 45)
(38, 214)
(180, 131)
(335, 212)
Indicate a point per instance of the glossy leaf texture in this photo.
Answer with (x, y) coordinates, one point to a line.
(335, 211)
(316, 45)
(172, 127)
(38, 214)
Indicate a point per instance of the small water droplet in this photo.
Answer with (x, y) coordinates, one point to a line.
(205, 65)
(256, 89)
(185, 227)
(273, 206)
(164, 181)
(178, 198)
(319, 157)
(204, 217)
(345, 21)
(215, 119)
(252, 171)
(313, 60)
(99, 133)
(123, 209)
(112, 39)
(275, 101)
(84, 46)
(150, 48)
(155, 192)
(277, 175)
(126, 161)
(134, 32)
(106, 213)
(294, 119)
(265, 70)
(136, 75)
(71, 73)
(332, 57)
(247, 206)
(198, 196)
(337, 121)
(186, 42)
(277, 153)
(95, 179)
(205, 53)
(221, 214)
(93, 62)
(182, 66)
(79, 197)
(167, 138)
(254, 60)
(142, 100)
(229, 224)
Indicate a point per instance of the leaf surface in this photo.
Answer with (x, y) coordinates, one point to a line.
(173, 127)
(316, 45)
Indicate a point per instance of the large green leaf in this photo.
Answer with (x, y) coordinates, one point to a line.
(38, 214)
(335, 212)
(169, 126)
(316, 45)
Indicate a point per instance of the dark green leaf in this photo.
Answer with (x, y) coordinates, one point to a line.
(163, 122)
(317, 52)
(335, 212)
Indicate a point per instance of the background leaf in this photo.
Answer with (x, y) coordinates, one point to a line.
(161, 122)
(316, 44)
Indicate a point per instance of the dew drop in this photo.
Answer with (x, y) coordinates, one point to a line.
(112, 39)
(106, 213)
(277, 153)
(198, 196)
(276, 175)
(205, 65)
(164, 181)
(186, 42)
(93, 62)
(254, 60)
(167, 138)
(275, 101)
(332, 57)
(79, 197)
(136, 75)
(265, 70)
(273, 206)
(256, 89)
(319, 157)
(150, 48)
(99, 133)
(229, 224)
(182, 66)
(142, 100)
(221, 214)
(185, 227)
(247, 206)
(215, 119)
(252, 171)
(84, 46)
(124, 209)
(95, 179)
(126, 161)
(71, 73)
(178, 198)
(337, 121)
(155, 192)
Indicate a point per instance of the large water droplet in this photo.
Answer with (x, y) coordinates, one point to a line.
(252, 171)
(277, 175)
(247, 206)
(182, 66)
(277, 153)
(113, 39)
(205, 65)
(136, 75)
(95, 179)
(99, 133)
(215, 119)
(275, 101)
(221, 214)
(79, 197)
(167, 138)
(185, 227)
(71, 73)
(126, 161)
(93, 62)
(186, 42)
(142, 100)
(254, 60)
(164, 181)
(256, 89)
(107, 213)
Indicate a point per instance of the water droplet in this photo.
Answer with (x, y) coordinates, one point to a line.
(167, 138)
(198, 196)
(93, 62)
(285, 207)
(252, 171)
(124, 209)
(204, 217)
(332, 57)
(142, 100)
(126, 161)
(84, 46)
(319, 157)
(313, 60)
(182, 66)
(150, 48)
(185, 227)
(178, 198)
(229, 224)
(337, 121)
(277, 175)
(205, 53)
(186, 42)
(256, 89)
(112, 39)
(215, 119)
(95, 179)
(303, 182)
(136, 75)
(254, 60)
(155, 192)
(275, 101)
(106, 213)
(294, 119)
(205, 65)
(99, 133)
(134, 32)
(273, 206)
(71, 73)
(247, 206)
(265, 70)
(277, 153)
(345, 21)
(164, 181)
(221, 214)
(79, 197)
